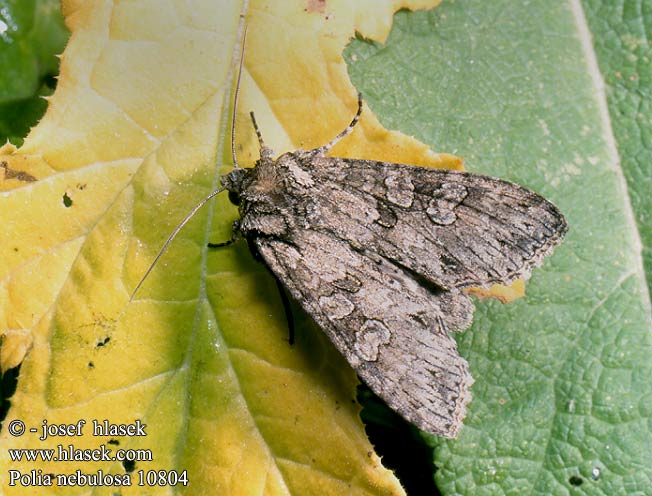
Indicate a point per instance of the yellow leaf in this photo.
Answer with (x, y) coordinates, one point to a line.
(135, 135)
(504, 294)
(14, 345)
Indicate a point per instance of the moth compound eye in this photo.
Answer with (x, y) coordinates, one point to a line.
(234, 198)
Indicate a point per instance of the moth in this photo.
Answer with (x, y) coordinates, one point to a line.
(378, 254)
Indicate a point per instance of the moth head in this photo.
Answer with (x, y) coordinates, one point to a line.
(256, 187)
(233, 182)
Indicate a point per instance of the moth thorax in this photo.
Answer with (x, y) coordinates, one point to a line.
(297, 178)
(265, 177)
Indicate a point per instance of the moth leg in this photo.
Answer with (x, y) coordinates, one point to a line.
(223, 243)
(285, 300)
(323, 150)
(235, 236)
(287, 308)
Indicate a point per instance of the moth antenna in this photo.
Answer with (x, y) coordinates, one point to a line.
(265, 151)
(172, 236)
(261, 143)
(235, 98)
(212, 194)
(324, 149)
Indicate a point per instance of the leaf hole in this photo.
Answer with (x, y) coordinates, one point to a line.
(129, 465)
(8, 384)
(574, 480)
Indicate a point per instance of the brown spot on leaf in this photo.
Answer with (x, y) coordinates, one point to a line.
(316, 6)
(13, 174)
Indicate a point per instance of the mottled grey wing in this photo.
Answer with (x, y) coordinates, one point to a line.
(391, 328)
(456, 229)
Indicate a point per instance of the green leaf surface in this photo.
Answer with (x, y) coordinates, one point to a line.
(31, 35)
(563, 393)
(621, 33)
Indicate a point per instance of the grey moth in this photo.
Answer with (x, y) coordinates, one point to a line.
(378, 254)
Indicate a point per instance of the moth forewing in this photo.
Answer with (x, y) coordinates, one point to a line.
(377, 254)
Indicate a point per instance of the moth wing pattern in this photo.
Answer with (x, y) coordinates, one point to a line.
(456, 229)
(391, 329)
(378, 254)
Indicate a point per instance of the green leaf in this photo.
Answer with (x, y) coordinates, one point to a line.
(31, 34)
(563, 393)
(622, 42)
